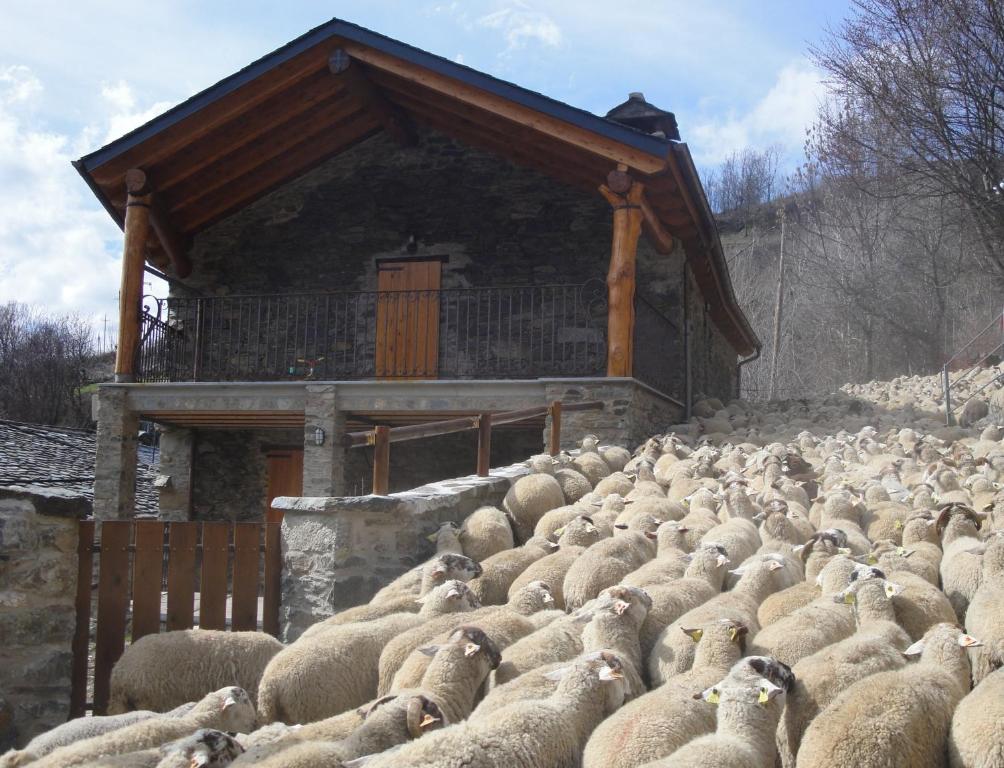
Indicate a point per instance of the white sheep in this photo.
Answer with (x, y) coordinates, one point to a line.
(501, 569)
(420, 580)
(749, 706)
(898, 718)
(162, 671)
(604, 564)
(674, 653)
(228, 709)
(529, 498)
(485, 532)
(985, 614)
(550, 570)
(876, 646)
(552, 731)
(977, 736)
(657, 723)
(204, 747)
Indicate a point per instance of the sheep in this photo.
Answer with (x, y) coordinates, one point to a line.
(559, 640)
(985, 614)
(502, 622)
(501, 569)
(421, 580)
(876, 646)
(591, 466)
(895, 718)
(528, 499)
(551, 732)
(507, 623)
(550, 570)
(453, 596)
(672, 654)
(615, 456)
(817, 552)
(485, 532)
(580, 531)
(702, 580)
(162, 671)
(79, 729)
(341, 664)
(749, 706)
(739, 537)
(615, 482)
(920, 605)
(961, 564)
(574, 484)
(228, 709)
(657, 723)
(605, 564)
(976, 739)
(204, 747)
(557, 518)
(812, 627)
(658, 507)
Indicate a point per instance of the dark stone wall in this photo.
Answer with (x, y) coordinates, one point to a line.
(713, 360)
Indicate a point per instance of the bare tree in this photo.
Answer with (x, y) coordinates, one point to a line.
(42, 366)
(746, 180)
(928, 72)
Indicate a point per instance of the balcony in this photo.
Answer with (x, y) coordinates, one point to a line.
(464, 333)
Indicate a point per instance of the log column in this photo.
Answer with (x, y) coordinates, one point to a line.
(137, 228)
(626, 196)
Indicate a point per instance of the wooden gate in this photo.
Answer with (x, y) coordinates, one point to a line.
(149, 574)
(407, 332)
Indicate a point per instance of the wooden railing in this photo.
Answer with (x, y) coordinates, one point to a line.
(381, 437)
(142, 562)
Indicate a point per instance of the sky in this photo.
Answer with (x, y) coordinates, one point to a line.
(76, 74)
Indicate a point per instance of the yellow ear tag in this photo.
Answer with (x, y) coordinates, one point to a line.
(713, 697)
(849, 598)
(696, 635)
(890, 590)
(763, 698)
(872, 560)
(898, 524)
(733, 634)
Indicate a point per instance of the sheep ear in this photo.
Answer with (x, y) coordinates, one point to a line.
(693, 634)
(559, 531)
(968, 641)
(432, 536)
(915, 650)
(846, 596)
(429, 650)
(228, 702)
(199, 759)
(891, 589)
(768, 691)
(711, 695)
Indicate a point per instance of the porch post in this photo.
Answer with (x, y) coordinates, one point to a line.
(115, 456)
(626, 197)
(324, 464)
(137, 227)
(176, 451)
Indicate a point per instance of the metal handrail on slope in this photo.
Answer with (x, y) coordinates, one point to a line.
(994, 329)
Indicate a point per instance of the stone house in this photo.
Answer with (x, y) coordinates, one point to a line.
(358, 232)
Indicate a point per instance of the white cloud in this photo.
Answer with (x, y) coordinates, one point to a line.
(124, 112)
(520, 25)
(780, 116)
(57, 248)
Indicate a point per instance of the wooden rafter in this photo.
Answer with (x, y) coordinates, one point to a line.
(351, 77)
(496, 105)
(167, 237)
(240, 191)
(658, 235)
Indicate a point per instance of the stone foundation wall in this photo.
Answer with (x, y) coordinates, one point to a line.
(631, 412)
(38, 579)
(337, 552)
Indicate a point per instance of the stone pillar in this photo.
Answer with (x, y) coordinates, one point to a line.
(115, 460)
(175, 495)
(38, 581)
(323, 465)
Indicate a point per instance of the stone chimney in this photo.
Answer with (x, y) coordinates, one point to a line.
(640, 115)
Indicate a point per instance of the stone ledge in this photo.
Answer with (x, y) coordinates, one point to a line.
(53, 502)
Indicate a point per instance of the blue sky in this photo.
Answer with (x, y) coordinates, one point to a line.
(74, 75)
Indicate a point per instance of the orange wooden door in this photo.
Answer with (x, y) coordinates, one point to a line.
(407, 338)
(285, 478)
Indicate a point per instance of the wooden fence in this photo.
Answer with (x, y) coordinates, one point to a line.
(142, 562)
(381, 437)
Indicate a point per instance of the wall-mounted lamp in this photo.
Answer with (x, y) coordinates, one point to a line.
(318, 436)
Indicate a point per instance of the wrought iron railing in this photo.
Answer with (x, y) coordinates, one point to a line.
(984, 349)
(463, 333)
(658, 349)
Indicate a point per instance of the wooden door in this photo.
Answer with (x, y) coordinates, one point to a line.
(285, 478)
(407, 337)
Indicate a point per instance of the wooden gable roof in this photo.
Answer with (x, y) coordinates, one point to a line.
(339, 84)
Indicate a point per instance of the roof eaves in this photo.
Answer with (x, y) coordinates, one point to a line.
(337, 28)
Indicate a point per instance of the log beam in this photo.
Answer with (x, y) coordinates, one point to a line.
(656, 233)
(359, 87)
(625, 196)
(137, 228)
(172, 242)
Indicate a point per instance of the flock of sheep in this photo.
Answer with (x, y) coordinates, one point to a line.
(783, 584)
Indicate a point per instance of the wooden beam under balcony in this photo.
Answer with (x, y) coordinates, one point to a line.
(351, 76)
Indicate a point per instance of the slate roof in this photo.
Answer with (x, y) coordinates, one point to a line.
(60, 457)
